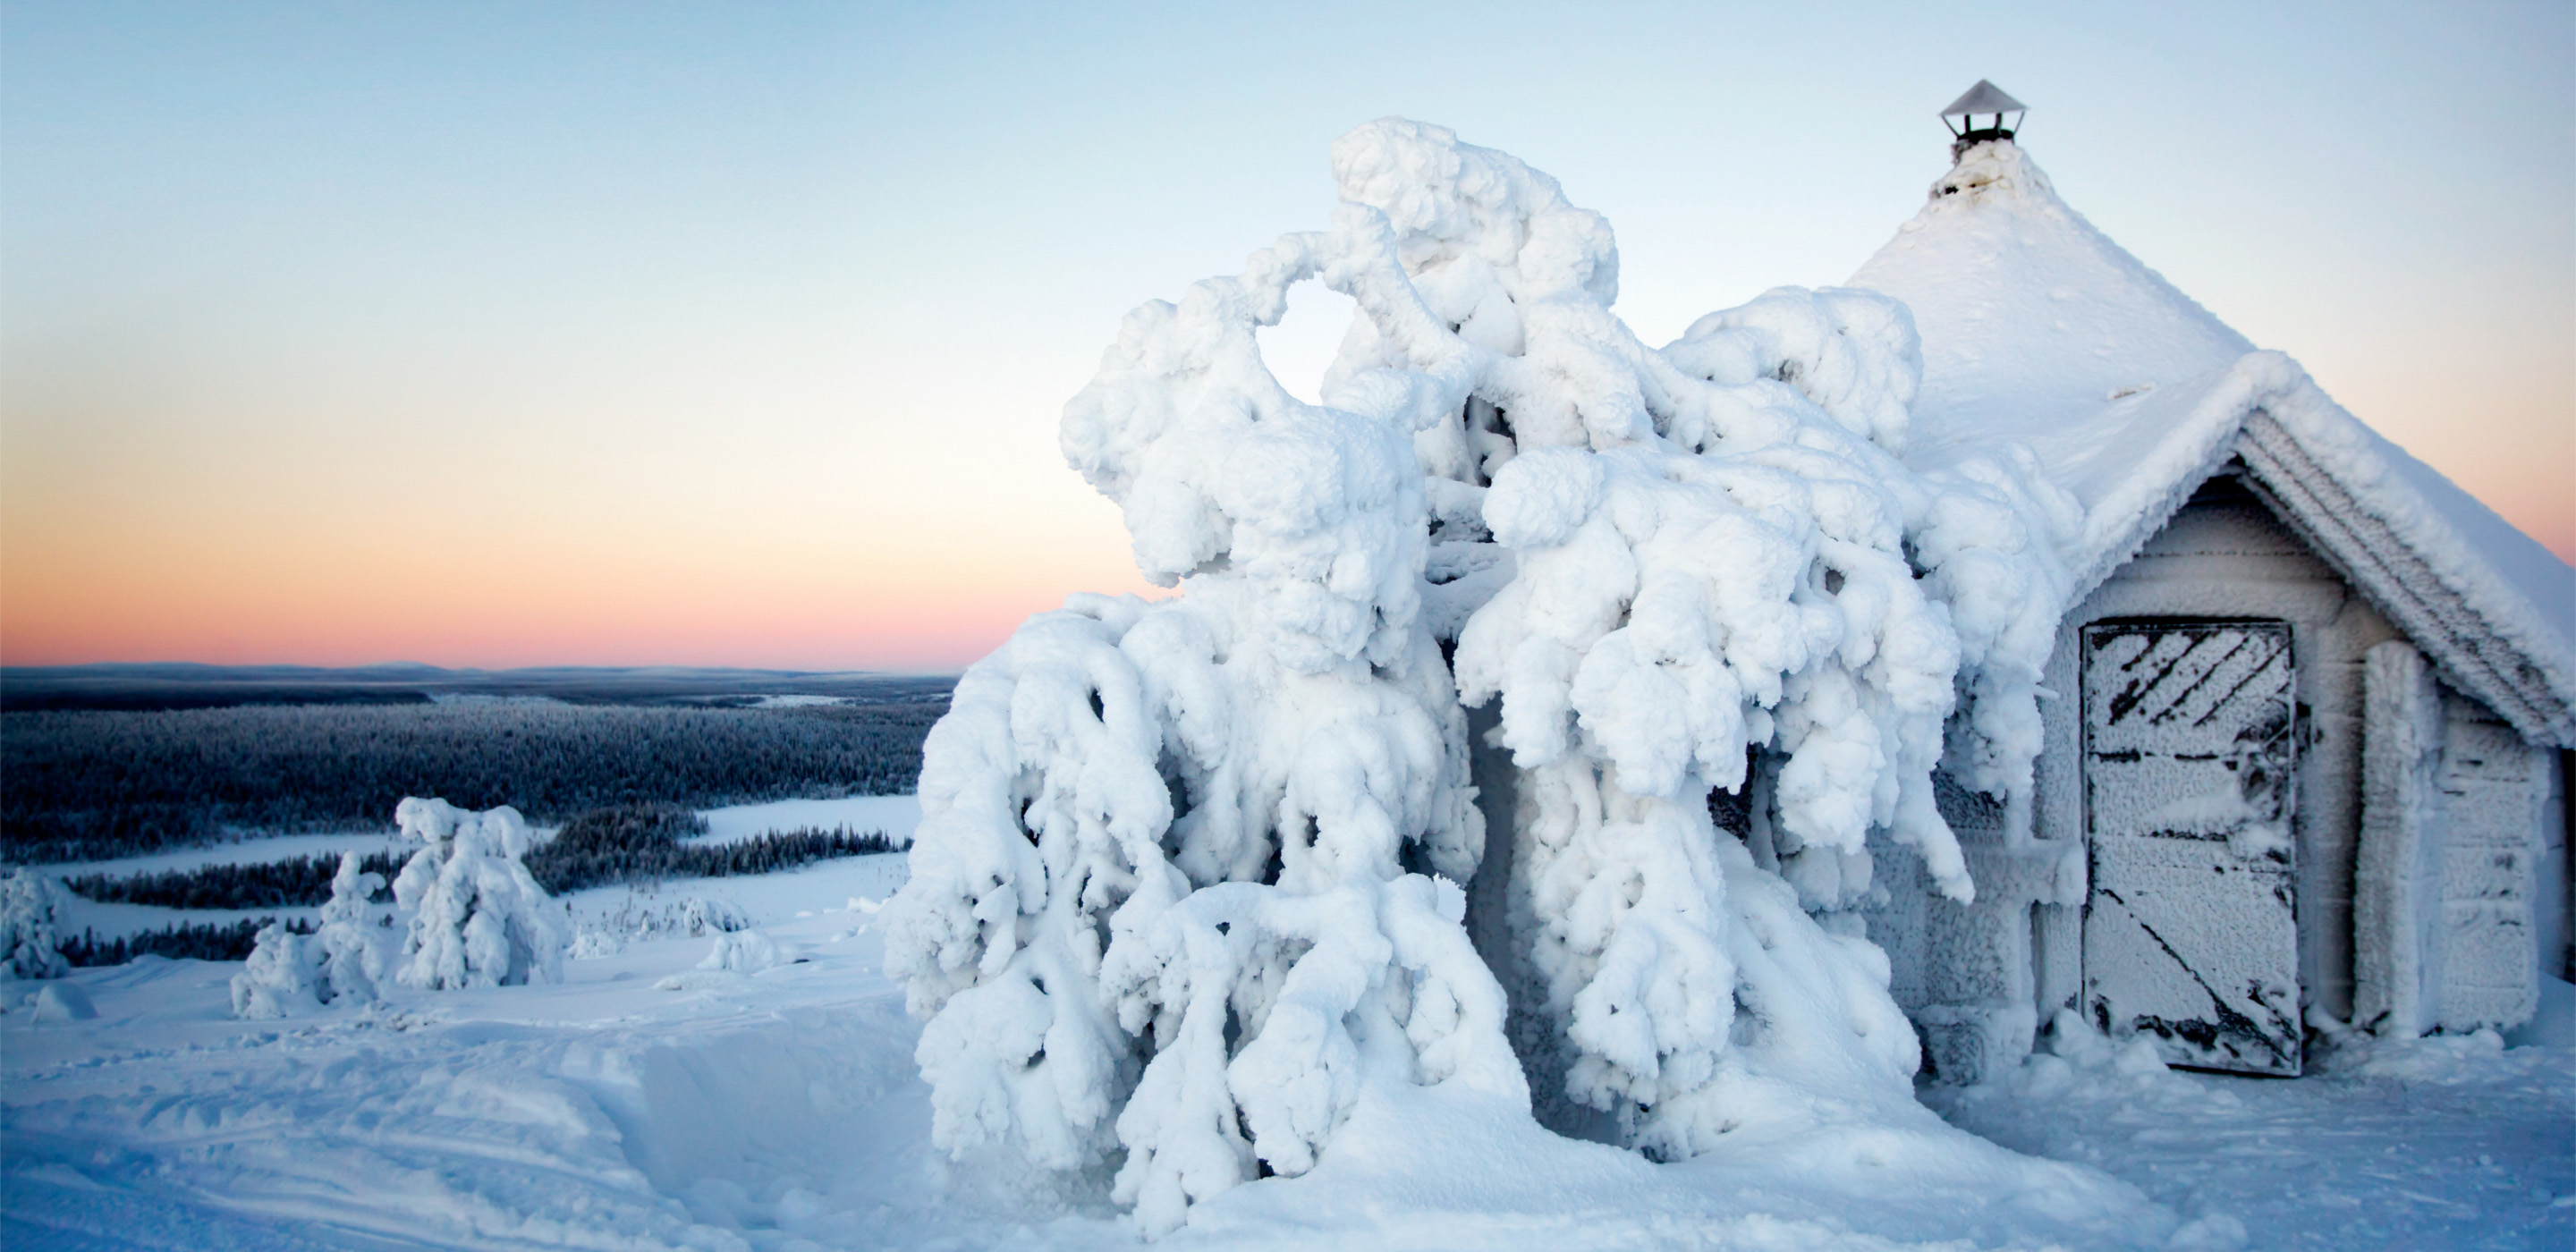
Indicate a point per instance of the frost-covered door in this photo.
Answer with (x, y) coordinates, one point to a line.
(2190, 769)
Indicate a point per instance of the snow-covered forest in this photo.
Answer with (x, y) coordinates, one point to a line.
(85, 785)
(633, 844)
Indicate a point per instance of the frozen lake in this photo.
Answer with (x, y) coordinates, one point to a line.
(895, 815)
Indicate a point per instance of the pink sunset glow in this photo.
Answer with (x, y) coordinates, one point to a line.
(695, 341)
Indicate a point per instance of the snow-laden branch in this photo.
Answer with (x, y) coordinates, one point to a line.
(1715, 555)
(1166, 895)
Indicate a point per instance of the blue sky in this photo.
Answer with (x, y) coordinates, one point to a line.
(496, 334)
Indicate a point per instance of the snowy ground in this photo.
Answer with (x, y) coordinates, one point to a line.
(2452, 1143)
(648, 1103)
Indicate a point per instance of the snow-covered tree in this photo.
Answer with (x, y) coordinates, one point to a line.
(1170, 890)
(1187, 881)
(353, 939)
(478, 919)
(341, 962)
(748, 952)
(31, 920)
(282, 977)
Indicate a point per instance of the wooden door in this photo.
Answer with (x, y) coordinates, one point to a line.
(2190, 770)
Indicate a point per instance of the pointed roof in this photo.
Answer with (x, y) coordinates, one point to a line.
(1985, 97)
(2029, 314)
(2038, 329)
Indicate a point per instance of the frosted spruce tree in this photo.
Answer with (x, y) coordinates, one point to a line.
(341, 962)
(1188, 881)
(353, 939)
(478, 918)
(32, 909)
(475, 918)
(282, 976)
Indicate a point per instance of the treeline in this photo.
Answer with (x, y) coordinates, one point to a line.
(628, 843)
(97, 785)
(641, 843)
(186, 941)
(298, 882)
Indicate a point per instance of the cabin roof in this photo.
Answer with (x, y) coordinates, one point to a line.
(2038, 329)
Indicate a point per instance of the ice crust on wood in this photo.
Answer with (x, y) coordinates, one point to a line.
(2397, 935)
(1186, 883)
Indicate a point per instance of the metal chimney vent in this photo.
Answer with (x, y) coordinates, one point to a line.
(1984, 98)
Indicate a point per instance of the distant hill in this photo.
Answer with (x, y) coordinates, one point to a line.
(158, 686)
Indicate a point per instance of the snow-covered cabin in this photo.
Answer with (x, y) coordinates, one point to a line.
(2307, 747)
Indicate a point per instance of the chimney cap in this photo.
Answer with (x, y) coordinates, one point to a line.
(1985, 97)
(1989, 100)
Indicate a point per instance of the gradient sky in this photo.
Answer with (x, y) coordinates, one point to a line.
(712, 333)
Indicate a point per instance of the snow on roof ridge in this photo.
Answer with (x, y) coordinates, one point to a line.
(2495, 609)
(2145, 486)
(2473, 592)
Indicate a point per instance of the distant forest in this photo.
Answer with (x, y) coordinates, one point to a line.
(296, 882)
(92, 785)
(640, 843)
(185, 941)
(148, 687)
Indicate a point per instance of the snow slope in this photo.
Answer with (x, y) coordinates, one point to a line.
(782, 1110)
(2030, 317)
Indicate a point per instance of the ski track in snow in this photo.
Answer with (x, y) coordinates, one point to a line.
(782, 1110)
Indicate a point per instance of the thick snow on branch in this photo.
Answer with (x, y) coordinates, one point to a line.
(1170, 890)
(1712, 549)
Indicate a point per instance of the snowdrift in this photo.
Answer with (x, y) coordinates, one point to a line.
(780, 1109)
